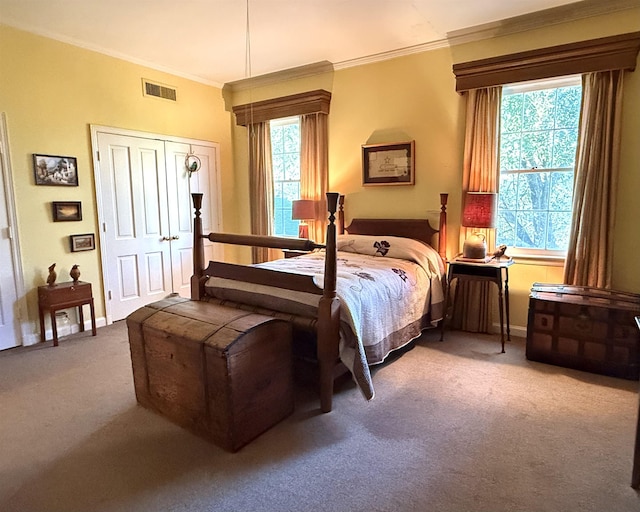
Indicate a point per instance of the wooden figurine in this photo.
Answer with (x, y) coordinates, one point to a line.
(75, 273)
(51, 278)
(499, 253)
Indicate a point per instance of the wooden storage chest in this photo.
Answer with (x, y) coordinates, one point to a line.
(222, 373)
(590, 329)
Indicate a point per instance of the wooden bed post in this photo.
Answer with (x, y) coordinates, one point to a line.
(442, 235)
(198, 248)
(329, 313)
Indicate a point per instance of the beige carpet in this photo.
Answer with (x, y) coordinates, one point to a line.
(455, 426)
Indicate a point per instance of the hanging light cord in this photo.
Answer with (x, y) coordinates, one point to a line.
(247, 69)
(247, 62)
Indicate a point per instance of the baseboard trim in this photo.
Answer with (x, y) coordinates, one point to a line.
(34, 338)
(516, 330)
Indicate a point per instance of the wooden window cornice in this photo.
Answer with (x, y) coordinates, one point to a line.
(285, 106)
(615, 52)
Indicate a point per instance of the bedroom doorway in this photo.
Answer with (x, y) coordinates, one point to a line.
(11, 281)
(145, 214)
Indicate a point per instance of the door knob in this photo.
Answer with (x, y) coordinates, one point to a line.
(166, 239)
(175, 237)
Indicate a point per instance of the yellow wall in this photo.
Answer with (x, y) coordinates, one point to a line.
(51, 92)
(395, 101)
(414, 98)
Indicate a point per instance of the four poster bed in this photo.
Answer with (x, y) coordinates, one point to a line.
(362, 294)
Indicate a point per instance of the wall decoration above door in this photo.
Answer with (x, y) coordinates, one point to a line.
(55, 170)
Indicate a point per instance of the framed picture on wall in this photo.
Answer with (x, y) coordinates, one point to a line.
(388, 164)
(67, 211)
(55, 170)
(82, 242)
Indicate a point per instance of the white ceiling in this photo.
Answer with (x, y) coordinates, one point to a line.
(206, 40)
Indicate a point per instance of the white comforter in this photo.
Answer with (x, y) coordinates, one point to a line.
(389, 289)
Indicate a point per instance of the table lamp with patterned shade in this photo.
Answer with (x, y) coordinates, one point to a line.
(479, 212)
(303, 210)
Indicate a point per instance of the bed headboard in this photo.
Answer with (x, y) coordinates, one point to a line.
(418, 229)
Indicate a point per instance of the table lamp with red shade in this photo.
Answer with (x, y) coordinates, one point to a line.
(303, 210)
(479, 212)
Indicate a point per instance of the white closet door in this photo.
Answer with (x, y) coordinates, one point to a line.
(180, 223)
(146, 214)
(180, 186)
(135, 223)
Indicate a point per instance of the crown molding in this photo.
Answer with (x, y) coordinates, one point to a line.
(553, 16)
(392, 54)
(316, 68)
(108, 52)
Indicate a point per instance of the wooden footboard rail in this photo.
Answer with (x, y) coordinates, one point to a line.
(329, 307)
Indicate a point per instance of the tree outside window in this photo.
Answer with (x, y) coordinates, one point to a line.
(285, 161)
(538, 140)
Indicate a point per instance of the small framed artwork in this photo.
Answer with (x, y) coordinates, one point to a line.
(55, 170)
(388, 164)
(67, 211)
(82, 242)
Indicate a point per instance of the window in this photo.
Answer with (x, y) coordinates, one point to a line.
(538, 140)
(285, 161)
(285, 123)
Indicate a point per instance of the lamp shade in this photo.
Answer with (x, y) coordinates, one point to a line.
(303, 209)
(480, 210)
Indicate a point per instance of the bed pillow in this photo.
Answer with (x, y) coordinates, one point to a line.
(393, 247)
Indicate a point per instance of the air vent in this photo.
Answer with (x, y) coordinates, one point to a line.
(159, 90)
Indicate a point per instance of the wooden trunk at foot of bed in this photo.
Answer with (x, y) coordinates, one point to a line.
(222, 373)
